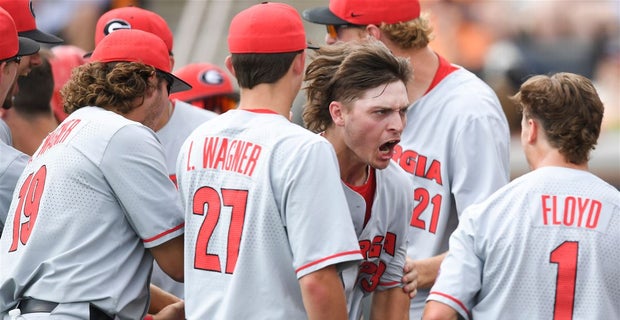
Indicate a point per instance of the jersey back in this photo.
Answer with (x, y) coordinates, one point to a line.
(263, 207)
(544, 247)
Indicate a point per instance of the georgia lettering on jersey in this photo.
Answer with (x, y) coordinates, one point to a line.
(555, 210)
(222, 153)
(429, 196)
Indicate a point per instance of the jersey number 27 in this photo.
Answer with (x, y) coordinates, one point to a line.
(214, 200)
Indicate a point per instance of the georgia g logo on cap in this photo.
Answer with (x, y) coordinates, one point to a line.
(115, 24)
(211, 77)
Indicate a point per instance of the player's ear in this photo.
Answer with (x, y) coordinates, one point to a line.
(532, 133)
(336, 110)
(229, 65)
(299, 64)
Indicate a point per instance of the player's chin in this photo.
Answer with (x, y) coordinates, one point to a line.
(381, 162)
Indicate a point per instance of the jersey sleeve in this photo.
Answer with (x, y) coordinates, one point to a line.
(133, 165)
(480, 160)
(317, 217)
(8, 177)
(460, 274)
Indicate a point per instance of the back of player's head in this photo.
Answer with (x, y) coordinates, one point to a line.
(35, 89)
(25, 22)
(133, 18)
(212, 88)
(119, 72)
(263, 40)
(344, 72)
(569, 110)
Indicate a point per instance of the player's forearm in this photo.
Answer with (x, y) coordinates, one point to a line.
(428, 269)
(392, 304)
(438, 311)
(323, 295)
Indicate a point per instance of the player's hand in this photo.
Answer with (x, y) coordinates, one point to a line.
(175, 311)
(410, 279)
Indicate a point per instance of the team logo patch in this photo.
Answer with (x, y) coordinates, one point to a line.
(114, 25)
(211, 77)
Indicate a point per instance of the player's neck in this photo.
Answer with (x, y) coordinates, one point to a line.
(266, 96)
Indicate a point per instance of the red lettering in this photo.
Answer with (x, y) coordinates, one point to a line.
(545, 209)
(208, 152)
(594, 215)
(189, 155)
(434, 172)
(249, 169)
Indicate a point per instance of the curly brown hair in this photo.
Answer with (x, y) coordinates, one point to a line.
(112, 86)
(343, 72)
(568, 109)
(413, 34)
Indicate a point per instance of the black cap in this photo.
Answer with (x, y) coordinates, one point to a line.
(40, 36)
(27, 47)
(322, 15)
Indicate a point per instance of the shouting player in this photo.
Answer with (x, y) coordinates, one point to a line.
(546, 245)
(357, 99)
(266, 219)
(456, 145)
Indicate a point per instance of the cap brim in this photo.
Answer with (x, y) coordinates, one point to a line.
(27, 47)
(178, 84)
(40, 36)
(322, 15)
(312, 46)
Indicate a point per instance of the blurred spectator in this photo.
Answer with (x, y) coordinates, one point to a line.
(211, 89)
(63, 60)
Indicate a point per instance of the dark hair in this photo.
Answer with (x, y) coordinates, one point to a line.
(252, 69)
(568, 109)
(112, 86)
(35, 90)
(343, 72)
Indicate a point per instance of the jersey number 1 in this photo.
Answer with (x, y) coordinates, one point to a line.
(565, 255)
(29, 200)
(237, 199)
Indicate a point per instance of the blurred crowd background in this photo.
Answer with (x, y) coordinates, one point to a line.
(502, 41)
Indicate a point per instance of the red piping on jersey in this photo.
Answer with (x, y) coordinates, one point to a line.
(260, 111)
(164, 233)
(444, 69)
(327, 258)
(457, 301)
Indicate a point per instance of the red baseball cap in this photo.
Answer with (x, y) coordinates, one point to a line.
(206, 80)
(364, 12)
(25, 22)
(133, 45)
(133, 18)
(268, 27)
(64, 59)
(11, 44)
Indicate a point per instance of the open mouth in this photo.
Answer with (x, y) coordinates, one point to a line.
(388, 146)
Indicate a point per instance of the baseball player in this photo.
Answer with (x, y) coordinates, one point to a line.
(457, 142)
(212, 88)
(363, 119)
(546, 245)
(176, 122)
(95, 205)
(12, 162)
(266, 219)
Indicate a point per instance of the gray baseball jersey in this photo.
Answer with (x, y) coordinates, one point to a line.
(263, 208)
(5, 133)
(184, 119)
(545, 246)
(383, 240)
(456, 149)
(12, 163)
(93, 198)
